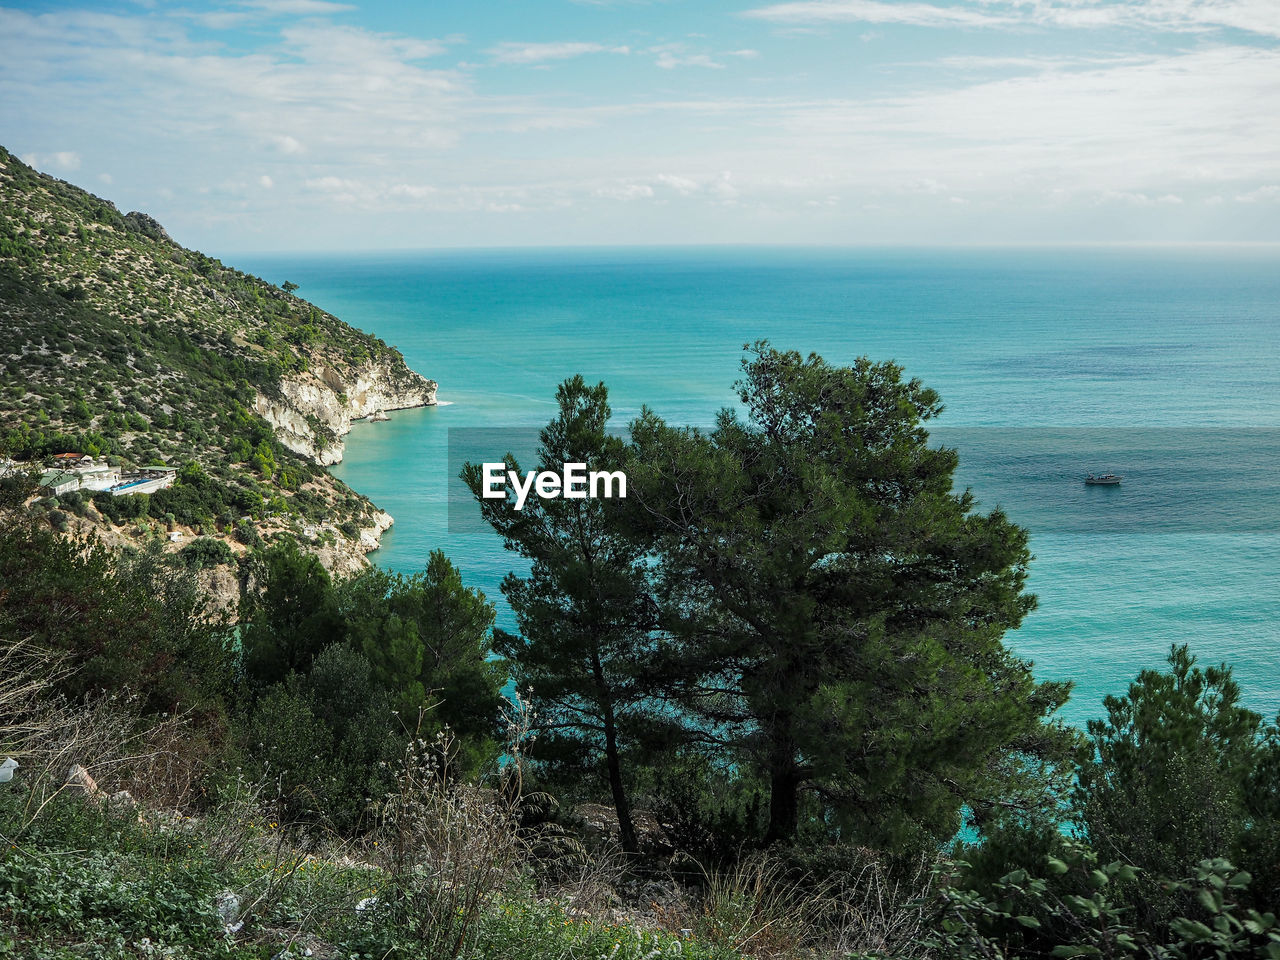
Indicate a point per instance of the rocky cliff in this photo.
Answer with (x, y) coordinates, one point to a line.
(312, 412)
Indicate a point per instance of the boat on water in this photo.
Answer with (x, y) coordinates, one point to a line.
(1102, 480)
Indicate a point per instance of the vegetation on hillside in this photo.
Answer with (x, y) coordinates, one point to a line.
(118, 343)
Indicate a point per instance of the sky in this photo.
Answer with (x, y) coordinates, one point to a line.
(300, 125)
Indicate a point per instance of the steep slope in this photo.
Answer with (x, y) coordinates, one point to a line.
(118, 343)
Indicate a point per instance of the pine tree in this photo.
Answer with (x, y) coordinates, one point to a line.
(838, 611)
(583, 611)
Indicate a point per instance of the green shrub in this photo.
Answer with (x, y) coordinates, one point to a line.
(290, 617)
(138, 623)
(1074, 907)
(120, 509)
(247, 533)
(108, 904)
(1177, 773)
(74, 501)
(205, 552)
(327, 738)
(286, 739)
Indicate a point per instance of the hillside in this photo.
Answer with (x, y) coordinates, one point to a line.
(123, 345)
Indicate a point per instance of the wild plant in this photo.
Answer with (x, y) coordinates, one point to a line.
(450, 849)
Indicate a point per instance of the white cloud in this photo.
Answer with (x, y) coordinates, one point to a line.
(1121, 196)
(525, 53)
(359, 126)
(304, 8)
(722, 187)
(254, 12)
(337, 92)
(669, 60)
(682, 185)
(387, 195)
(625, 191)
(412, 191)
(874, 11)
(287, 144)
(334, 185)
(1032, 63)
(1155, 126)
(1270, 192)
(1255, 16)
(717, 187)
(669, 56)
(328, 43)
(64, 160)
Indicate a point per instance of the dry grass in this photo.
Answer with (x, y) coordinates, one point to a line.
(762, 909)
(50, 735)
(876, 912)
(168, 765)
(449, 849)
(756, 908)
(590, 887)
(28, 672)
(277, 862)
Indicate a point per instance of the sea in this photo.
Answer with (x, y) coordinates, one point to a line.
(1158, 364)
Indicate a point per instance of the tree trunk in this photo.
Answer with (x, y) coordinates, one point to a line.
(784, 804)
(626, 828)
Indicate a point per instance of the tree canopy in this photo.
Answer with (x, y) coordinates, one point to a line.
(798, 589)
(839, 609)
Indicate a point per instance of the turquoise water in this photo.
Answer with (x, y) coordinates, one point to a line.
(1163, 366)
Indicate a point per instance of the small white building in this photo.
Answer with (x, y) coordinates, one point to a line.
(58, 482)
(72, 472)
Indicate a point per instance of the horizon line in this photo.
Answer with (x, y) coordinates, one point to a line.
(1262, 245)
